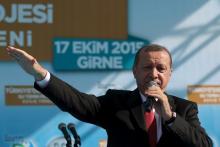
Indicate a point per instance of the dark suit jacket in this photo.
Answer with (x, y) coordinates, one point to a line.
(121, 114)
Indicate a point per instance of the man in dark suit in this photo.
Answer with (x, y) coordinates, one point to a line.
(147, 116)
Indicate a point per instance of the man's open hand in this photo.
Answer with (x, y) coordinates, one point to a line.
(27, 62)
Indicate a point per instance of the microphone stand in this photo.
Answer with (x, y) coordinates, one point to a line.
(62, 127)
(68, 144)
(72, 129)
(77, 142)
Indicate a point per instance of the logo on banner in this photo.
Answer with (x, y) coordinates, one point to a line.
(58, 142)
(19, 141)
(24, 144)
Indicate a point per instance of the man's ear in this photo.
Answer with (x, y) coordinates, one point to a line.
(171, 70)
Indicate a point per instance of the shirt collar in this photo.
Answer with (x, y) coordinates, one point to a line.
(143, 97)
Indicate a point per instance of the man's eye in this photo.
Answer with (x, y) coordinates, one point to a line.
(162, 69)
(147, 67)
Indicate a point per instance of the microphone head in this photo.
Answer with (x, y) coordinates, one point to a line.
(70, 126)
(61, 126)
(152, 83)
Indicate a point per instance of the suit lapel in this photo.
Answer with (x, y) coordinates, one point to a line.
(137, 109)
(171, 102)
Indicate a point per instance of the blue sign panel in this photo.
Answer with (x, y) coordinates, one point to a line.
(95, 54)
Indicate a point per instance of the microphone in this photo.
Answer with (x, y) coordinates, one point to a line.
(62, 127)
(72, 129)
(148, 105)
(151, 84)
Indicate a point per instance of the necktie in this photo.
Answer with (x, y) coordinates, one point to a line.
(151, 126)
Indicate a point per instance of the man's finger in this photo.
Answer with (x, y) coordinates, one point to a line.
(18, 54)
(10, 49)
(15, 50)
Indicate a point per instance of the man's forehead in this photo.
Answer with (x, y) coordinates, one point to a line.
(155, 56)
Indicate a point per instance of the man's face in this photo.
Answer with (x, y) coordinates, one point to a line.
(152, 66)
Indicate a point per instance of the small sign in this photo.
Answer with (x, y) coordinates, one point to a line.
(24, 95)
(204, 94)
(103, 143)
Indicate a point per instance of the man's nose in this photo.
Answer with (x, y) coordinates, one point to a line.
(154, 73)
